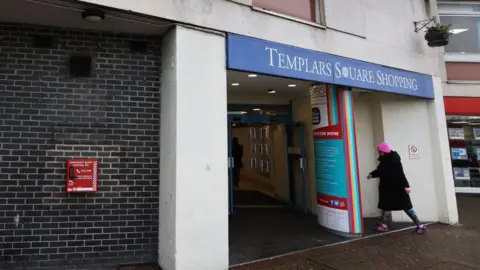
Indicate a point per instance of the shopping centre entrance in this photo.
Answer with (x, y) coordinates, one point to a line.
(268, 194)
(297, 177)
(273, 185)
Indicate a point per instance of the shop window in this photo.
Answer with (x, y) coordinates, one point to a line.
(253, 133)
(464, 139)
(264, 167)
(265, 133)
(253, 163)
(308, 10)
(465, 20)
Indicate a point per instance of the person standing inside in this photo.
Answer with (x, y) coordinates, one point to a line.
(394, 188)
(237, 153)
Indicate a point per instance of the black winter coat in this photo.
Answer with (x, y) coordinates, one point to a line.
(392, 194)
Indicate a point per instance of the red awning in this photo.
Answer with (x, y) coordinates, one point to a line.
(462, 105)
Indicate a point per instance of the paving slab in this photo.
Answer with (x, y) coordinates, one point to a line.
(442, 247)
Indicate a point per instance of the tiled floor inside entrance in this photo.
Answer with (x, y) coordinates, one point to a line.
(262, 227)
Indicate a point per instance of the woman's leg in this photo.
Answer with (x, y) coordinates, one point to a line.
(386, 217)
(384, 221)
(413, 216)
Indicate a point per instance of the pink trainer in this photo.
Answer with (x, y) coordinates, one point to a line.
(382, 228)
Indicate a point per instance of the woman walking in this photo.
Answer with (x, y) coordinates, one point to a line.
(393, 189)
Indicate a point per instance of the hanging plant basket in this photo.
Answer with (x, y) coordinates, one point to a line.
(438, 35)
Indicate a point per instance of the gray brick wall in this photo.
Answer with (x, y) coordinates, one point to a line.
(47, 117)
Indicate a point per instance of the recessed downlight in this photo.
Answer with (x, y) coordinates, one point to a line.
(292, 85)
(235, 84)
(256, 109)
(271, 91)
(252, 75)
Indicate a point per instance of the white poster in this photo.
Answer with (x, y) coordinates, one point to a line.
(476, 133)
(461, 173)
(334, 219)
(318, 94)
(456, 134)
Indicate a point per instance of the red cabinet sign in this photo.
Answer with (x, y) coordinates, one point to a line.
(82, 175)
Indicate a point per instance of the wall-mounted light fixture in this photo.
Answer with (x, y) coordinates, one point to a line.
(93, 15)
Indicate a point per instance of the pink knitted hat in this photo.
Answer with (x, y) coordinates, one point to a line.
(384, 147)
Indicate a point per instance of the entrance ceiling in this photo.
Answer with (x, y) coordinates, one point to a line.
(258, 86)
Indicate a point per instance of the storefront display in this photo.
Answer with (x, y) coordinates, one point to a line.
(459, 154)
(461, 173)
(456, 134)
(464, 136)
(476, 133)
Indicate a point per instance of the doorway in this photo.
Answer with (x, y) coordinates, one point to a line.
(265, 175)
(269, 205)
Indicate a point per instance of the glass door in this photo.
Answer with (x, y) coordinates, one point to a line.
(230, 170)
(302, 168)
(297, 167)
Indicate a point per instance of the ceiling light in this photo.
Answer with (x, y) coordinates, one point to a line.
(252, 75)
(237, 112)
(256, 109)
(458, 31)
(271, 91)
(93, 15)
(235, 84)
(292, 85)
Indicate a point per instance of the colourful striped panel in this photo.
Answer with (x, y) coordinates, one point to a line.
(348, 124)
(332, 105)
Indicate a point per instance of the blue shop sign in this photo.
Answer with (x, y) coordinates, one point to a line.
(260, 56)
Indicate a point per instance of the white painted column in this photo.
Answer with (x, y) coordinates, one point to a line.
(193, 227)
(445, 187)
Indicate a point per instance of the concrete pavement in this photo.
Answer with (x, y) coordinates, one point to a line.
(443, 247)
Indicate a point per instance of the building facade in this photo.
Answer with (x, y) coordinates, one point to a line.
(462, 99)
(144, 88)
